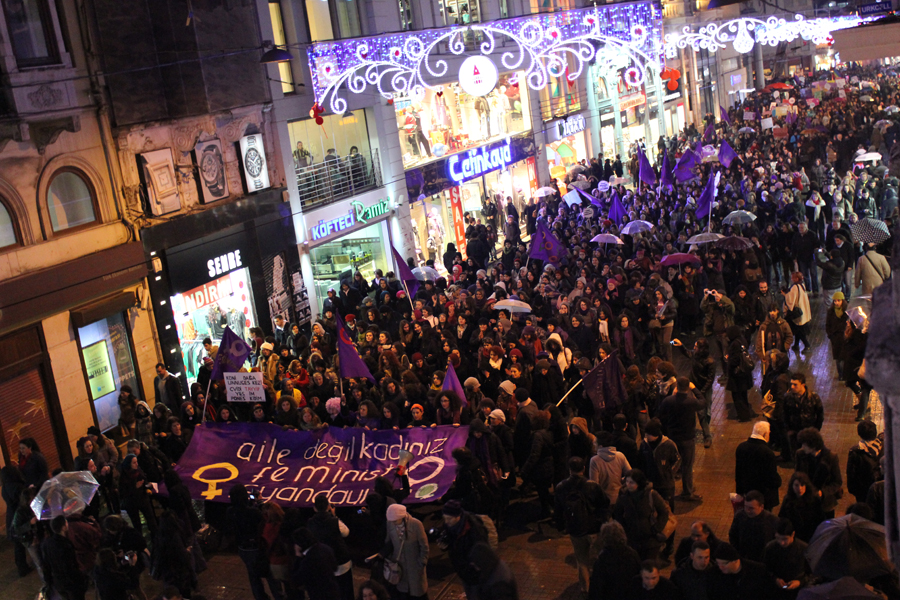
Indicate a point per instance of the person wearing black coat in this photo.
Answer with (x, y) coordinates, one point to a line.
(616, 564)
(460, 533)
(822, 466)
(738, 383)
(694, 571)
(738, 578)
(488, 576)
(755, 466)
(538, 468)
(702, 375)
(32, 463)
(13, 484)
(327, 529)
(60, 562)
(135, 494)
(112, 580)
(314, 567)
(678, 416)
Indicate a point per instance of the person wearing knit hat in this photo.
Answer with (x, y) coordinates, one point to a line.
(452, 509)
(418, 416)
(740, 577)
(497, 416)
(472, 383)
(350, 319)
(267, 346)
(406, 536)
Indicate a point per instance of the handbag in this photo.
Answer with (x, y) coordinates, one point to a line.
(393, 571)
(671, 522)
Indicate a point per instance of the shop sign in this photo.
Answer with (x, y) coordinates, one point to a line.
(568, 126)
(253, 158)
(225, 263)
(877, 8)
(462, 167)
(736, 79)
(478, 75)
(672, 96)
(358, 213)
(207, 294)
(99, 370)
(632, 100)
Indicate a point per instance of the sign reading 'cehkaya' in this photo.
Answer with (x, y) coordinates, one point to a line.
(464, 166)
(358, 213)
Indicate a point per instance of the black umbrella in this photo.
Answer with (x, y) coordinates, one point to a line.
(848, 546)
(734, 243)
(845, 588)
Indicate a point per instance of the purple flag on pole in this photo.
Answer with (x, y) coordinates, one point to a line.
(545, 246)
(232, 354)
(293, 467)
(646, 172)
(616, 209)
(352, 364)
(726, 154)
(724, 114)
(592, 199)
(603, 384)
(665, 175)
(709, 133)
(684, 165)
(452, 384)
(704, 204)
(405, 275)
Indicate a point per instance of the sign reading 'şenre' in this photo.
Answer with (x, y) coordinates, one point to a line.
(294, 467)
(358, 213)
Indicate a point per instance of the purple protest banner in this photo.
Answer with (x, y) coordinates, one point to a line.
(293, 467)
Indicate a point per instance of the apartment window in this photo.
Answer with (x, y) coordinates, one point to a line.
(347, 14)
(406, 17)
(332, 19)
(8, 234)
(284, 68)
(70, 201)
(31, 32)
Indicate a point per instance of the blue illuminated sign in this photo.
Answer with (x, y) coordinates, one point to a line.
(462, 167)
(877, 8)
(359, 213)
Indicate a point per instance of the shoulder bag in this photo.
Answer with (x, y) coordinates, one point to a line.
(393, 570)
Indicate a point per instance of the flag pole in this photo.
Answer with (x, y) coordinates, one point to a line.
(570, 391)
(205, 400)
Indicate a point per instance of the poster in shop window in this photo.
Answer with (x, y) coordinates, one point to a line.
(99, 370)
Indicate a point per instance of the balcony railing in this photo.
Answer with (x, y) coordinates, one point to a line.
(337, 179)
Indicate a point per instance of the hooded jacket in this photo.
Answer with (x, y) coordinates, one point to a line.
(773, 335)
(143, 423)
(661, 461)
(607, 469)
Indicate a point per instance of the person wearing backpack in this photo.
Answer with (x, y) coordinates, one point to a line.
(864, 460)
(581, 508)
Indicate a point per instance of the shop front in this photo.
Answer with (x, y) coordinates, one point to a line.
(237, 267)
(630, 113)
(449, 120)
(566, 145)
(442, 192)
(346, 237)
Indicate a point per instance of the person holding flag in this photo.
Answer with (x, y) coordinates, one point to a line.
(545, 246)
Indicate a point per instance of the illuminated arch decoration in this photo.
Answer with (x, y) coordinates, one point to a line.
(746, 32)
(543, 46)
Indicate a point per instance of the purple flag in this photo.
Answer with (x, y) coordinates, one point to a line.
(294, 467)
(452, 384)
(616, 210)
(724, 114)
(405, 275)
(709, 133)
(232, 354)
(684, 165)
(352, 364)
(592, 199)
(726, 154)
(545, 246)
(704, 204)
(665, 175)
(646, 172)
(603, 384)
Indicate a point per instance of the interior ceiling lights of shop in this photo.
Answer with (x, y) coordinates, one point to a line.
(548, 45)
(746, 32)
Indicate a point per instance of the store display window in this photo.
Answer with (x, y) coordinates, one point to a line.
(338, 260)
(109, 364)
(205, 311)
(562, 155)
(447, 121)
(310, 143)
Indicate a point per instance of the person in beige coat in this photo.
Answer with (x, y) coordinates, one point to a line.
(409, 547)
(872, 269)
(796, 297)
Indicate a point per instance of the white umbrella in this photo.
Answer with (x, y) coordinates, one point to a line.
(739, 217)
(868, 156)
(581, 184)
(636, 227)
(513, 306)
(607, 238)
(746, 130)
(67, 494)
(544, 191)
(705, 238)
(576, 169)
(426, 274)
(866, 98)
(891, 109)
(883, 123)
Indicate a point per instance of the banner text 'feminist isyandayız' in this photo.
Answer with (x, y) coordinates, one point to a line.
(293, 467)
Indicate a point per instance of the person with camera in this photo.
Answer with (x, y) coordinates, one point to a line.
(245, 521)
(331, 531)
(113, 576)
(459, 534)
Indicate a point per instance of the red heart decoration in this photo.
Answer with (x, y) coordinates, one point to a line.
(390, 102)
(328, 69)
(364, 54)
(396, 53)
(553, 35)
(591, 21)
(440, 94)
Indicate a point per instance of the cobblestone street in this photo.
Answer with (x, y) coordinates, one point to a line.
(540, 557)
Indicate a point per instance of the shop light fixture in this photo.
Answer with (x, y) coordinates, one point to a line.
(172, 351)
(543, 46)
(162, 303)
(158, 277)
(744, 33)
(168, 327)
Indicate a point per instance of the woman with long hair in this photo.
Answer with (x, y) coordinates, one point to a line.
(616, 565)
(802, 505)
(796, 298)
(135, 494)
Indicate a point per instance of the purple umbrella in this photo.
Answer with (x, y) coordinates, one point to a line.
(679, 258)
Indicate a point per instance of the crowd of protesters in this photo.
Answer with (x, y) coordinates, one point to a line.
(607, 470)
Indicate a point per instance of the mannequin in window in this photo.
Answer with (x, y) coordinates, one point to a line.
(414, 134)
(503, 106)
(484, 117)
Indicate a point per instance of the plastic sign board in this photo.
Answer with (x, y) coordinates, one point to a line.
(478, 75)
(245, 387)
(253, 159)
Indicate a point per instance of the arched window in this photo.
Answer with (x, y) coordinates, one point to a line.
(70, 201)
(8, 235)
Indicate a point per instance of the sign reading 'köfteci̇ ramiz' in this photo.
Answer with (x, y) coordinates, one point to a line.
(253, 159)
(293, 467)
(358, 213)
